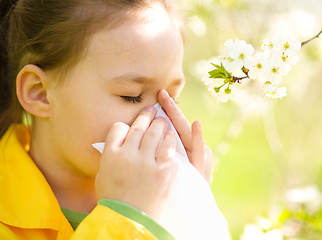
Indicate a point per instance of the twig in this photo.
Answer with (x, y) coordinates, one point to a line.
(238, 79)
(303, 43)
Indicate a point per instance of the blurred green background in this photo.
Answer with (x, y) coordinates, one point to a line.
(261, 149)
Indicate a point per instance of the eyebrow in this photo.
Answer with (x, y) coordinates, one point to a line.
(136, 79)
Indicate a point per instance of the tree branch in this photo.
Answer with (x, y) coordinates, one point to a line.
(303, 43)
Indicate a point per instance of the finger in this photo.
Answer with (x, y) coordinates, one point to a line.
(198, 154)
(152, 136)
(139, 126)
(201, 156)
(178, 119)
(116, 135)
(167, 149)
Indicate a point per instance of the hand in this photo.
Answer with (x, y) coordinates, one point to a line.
(133, 169)
(198, 152)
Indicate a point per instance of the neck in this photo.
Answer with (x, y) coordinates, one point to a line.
(73, 189)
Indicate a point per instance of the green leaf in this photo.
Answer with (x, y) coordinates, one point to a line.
(219, 72)
(214, 72)
(226, 72)
(217, 66)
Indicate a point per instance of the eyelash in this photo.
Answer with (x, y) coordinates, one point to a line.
(137, 99)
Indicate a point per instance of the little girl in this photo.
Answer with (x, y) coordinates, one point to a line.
(90, 71)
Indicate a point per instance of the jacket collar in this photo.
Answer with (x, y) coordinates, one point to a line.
(27, 200)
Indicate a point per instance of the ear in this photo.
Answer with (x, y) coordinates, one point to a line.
(31, 90)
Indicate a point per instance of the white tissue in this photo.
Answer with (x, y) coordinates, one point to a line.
(191, 212)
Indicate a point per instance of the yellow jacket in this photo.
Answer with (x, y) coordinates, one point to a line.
(30, 210)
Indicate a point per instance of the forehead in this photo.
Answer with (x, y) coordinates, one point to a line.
(150, 22)
(145, 39)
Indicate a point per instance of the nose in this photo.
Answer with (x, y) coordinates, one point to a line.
(152, 100)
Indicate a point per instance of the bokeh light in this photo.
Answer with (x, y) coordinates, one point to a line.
(261, 149)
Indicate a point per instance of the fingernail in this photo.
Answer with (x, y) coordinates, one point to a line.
(172, 102)
(160, 118)
(149, 108)
(199, 124)
(166, 95)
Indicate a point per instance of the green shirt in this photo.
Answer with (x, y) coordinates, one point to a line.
(75, 218)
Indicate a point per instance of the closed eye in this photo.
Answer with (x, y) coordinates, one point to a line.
(137, 99)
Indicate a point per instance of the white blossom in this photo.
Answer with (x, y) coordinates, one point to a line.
(226, 93)
(275, 69)
(213, 93)
(279, 93)
(238, 73)
(235, 54)
(268, 88)
(256, 65)
(206, 77)
(272, 45)
(227, 45)
(289, 47)
(214, 89)
(290, 60)
(225, 48)
(273, 94)
(238, 63)
(221, 92)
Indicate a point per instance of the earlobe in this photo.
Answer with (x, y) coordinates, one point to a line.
(31, 90)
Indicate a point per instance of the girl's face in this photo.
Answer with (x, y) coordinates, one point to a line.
(122, 73)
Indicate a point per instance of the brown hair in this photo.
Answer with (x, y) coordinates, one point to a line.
(53, 35)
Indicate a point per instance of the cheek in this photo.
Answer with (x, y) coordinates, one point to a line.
(101, 121)
(86, 118)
